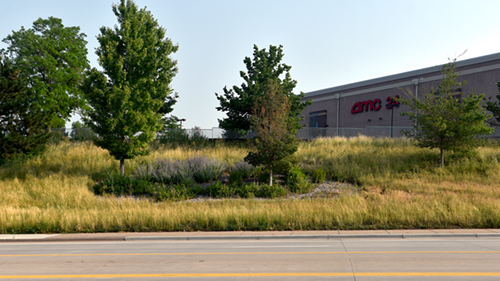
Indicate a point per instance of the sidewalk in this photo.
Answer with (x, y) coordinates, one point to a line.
(253, 235)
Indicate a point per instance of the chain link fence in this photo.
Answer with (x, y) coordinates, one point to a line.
(85, 134)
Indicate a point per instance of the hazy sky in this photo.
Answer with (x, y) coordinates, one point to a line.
(327, 43)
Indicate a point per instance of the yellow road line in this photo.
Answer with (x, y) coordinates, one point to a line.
(330, 274)
(254, 253)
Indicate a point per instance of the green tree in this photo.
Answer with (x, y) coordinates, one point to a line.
(238, 102)
(275, 128)
(447, 118)
(22, 127)
(494, 108)
(53, 58)
(128, 98)
(80, 132)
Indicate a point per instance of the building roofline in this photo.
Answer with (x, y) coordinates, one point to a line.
(408, 74)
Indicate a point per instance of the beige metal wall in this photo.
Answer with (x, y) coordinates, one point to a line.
(481, 77)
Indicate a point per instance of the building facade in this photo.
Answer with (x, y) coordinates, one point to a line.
(355, 108)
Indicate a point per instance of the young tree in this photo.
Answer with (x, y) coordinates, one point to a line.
(53, 58)
(239, 102)
(22, 127)
(274, 126)
(128, 98)
(447, 118)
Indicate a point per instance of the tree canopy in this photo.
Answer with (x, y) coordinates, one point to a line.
(128, 98)
(494, 108)
(447, 118)
(238, 102)
(22, 127)
(275, 129)
(52, 57)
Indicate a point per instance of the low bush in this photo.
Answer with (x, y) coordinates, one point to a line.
(219, 190)
(318, 175)
(178, 192)
(245, 190)
(274, 191)
(296, 181)
(237, 178)
(119, 185)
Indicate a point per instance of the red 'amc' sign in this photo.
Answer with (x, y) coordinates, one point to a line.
(358, 107)
(374, 105)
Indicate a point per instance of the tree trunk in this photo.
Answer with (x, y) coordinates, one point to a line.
(442, 157)
(122, 167)
(270, 177)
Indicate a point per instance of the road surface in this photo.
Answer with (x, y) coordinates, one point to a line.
(358, 259)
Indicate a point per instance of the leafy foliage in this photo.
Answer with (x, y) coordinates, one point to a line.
(239, 102)
(127, 100)
(81, 132)
(276, 131)
(118, 184)
(318, 175)
(23, 128)
(447, 118)
(52, 57)
(494, 108)
(296, 181)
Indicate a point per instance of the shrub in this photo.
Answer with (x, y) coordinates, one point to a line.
(318, 175)
(218, 190)
(245, 190)
(236, 177)
(296, 181)
(273, 191)
(176, 192)
(119, 185)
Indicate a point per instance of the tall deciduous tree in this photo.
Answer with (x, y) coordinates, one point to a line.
(53, 58)
(128, 98)
(448, 118)
(275, 128)
(238, 102)
(22, 127)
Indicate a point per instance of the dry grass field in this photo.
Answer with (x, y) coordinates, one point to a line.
(400, 186)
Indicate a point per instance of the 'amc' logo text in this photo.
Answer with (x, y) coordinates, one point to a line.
(374, 105)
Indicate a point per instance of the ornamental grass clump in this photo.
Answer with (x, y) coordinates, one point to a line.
(205, 169)
(165, 171)
(244, 168)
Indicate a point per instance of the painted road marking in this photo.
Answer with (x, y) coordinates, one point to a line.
(253, 253)
(314, 274)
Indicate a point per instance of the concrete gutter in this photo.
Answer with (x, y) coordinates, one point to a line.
(253, 235)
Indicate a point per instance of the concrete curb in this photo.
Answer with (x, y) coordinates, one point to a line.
(117, 238)
(273, 237)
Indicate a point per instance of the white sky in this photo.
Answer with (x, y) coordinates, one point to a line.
(328, 43)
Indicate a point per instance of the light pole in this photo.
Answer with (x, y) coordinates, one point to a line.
(180, 120)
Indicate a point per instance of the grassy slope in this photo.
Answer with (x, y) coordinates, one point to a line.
(401, 187)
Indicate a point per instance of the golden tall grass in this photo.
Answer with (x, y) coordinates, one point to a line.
(401, 186)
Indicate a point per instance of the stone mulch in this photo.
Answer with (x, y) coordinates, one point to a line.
(327, 189)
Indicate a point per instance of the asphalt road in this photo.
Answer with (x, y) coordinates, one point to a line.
(289, 259)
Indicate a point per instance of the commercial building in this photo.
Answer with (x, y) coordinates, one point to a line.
(369, 106)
